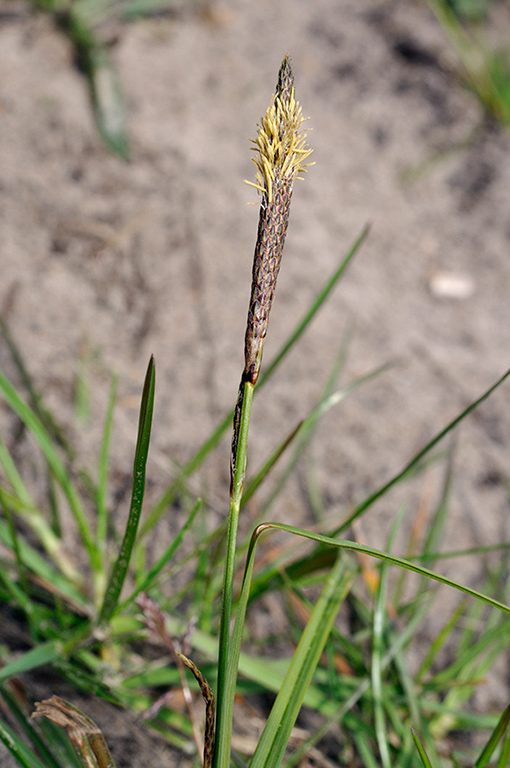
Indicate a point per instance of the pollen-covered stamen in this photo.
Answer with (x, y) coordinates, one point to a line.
(281, 142)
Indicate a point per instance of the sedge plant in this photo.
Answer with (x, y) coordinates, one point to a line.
(361, 683)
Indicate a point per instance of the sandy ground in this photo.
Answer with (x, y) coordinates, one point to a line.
(119, 261)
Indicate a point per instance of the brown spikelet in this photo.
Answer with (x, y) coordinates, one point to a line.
(155, 620)
(87, 739)
(208, 698)
(273, 222)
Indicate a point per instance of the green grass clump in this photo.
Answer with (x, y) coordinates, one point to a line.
(86, 623)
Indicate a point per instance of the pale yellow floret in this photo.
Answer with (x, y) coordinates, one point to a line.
(280, 146)
(255, 186)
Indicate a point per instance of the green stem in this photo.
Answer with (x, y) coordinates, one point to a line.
(226, 690)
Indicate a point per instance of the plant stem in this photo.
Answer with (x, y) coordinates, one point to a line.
(225, 692)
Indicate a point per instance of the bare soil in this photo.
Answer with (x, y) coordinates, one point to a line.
(111, 262)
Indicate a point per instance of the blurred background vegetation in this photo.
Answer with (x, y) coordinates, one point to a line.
(482, 63)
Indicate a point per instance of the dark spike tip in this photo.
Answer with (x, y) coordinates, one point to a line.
(285, 79)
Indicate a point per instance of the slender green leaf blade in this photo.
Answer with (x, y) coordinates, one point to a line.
(102, 510)
(498, 732)
(378, 629)
(504, 758)
(421, 751)
(18, 749)
(25, 724)
(46, 653)
(121, 565)
(274, 739)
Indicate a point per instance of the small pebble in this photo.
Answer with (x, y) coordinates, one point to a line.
(451, 285)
